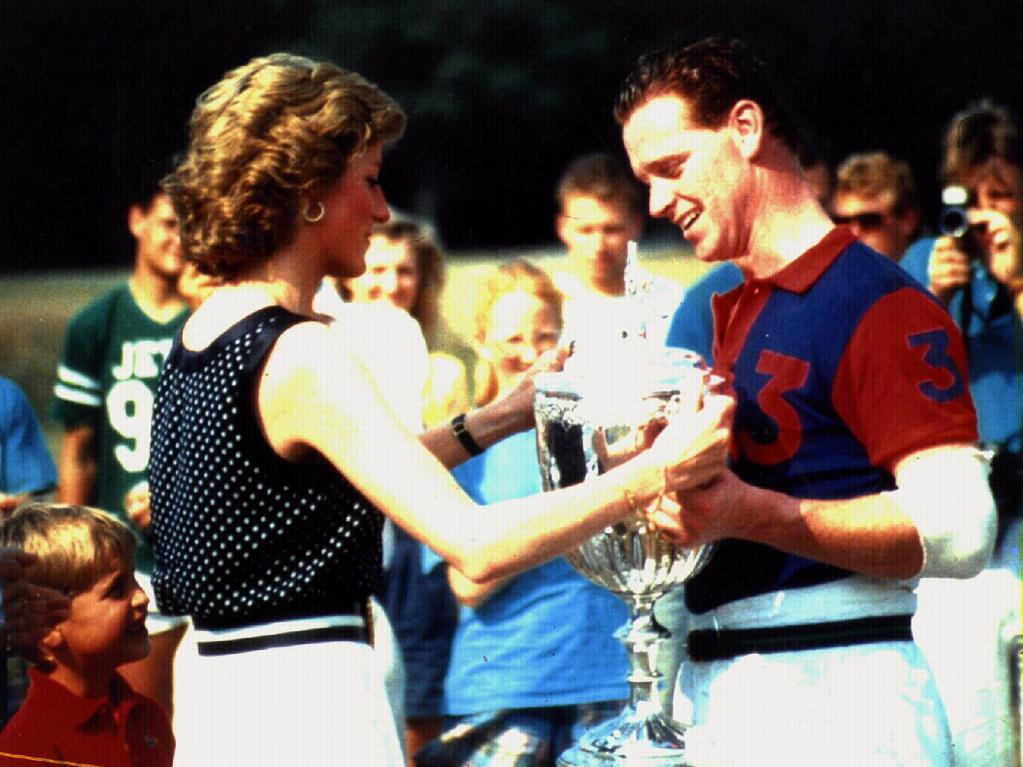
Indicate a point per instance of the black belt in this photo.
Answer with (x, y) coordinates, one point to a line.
(710, 644)
(285, 639)
(354, 607)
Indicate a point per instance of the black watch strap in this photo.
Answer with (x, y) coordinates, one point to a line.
(460, 430)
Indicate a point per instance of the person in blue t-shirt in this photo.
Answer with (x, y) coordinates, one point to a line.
(534, 661)
(26, 470)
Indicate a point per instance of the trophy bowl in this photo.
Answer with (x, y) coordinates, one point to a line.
(585, 425)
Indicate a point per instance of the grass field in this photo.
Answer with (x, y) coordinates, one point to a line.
(34, 308)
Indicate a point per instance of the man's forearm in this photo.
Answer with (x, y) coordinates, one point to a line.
(871, 535)
(76, 470)
(940, 522)
(77, 485)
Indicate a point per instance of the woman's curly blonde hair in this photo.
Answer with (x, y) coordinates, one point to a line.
(267, 133)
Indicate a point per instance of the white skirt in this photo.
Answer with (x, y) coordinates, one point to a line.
(312, 704)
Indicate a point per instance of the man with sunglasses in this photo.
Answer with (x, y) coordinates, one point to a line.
(875, 196)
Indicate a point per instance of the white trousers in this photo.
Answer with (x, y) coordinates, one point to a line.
(873, 704)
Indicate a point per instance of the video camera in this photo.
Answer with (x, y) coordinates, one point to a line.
(954, 220)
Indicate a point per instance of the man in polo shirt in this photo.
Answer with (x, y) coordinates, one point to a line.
(875, 196)
(854, 468)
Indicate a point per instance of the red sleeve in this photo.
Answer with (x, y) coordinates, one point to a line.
(901, 385)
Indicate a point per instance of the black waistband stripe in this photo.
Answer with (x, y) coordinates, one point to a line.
(709, 644)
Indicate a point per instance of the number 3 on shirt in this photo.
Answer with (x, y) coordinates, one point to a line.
(934, 345)
(786, 374)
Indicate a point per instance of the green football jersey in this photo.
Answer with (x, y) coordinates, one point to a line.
(107, 377)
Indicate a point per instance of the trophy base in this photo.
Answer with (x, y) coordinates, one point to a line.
(631, 741)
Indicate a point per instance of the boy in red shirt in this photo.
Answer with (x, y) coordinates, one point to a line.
(79, 709)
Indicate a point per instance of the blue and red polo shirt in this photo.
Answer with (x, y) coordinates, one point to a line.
(842, 365)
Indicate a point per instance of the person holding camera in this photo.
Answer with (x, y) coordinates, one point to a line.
(975, 267)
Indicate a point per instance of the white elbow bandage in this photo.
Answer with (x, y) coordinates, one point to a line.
(946, 494)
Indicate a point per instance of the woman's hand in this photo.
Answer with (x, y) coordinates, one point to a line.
(136, 504)
(693, 448)
(519, 401)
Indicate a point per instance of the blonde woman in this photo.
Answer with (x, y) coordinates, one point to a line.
(274, 457)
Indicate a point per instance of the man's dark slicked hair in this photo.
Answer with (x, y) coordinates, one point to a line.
(712, 75)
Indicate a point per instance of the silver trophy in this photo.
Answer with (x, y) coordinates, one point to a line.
(586, 424)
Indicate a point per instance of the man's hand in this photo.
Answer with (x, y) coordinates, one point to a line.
(715, 510)
(30, 611)
(948, 268)
(136, 505)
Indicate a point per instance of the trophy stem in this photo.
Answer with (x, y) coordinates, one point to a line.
(642, 735)
(642, 638)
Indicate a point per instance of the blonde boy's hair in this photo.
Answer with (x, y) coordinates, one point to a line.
(75, 546)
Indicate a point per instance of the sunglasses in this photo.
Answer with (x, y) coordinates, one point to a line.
(864, 221)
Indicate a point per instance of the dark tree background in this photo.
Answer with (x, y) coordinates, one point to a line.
(501, 94)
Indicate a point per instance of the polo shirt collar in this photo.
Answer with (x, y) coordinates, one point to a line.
(74, 709)
(800, 275)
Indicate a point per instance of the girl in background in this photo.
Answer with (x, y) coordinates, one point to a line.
(534, 661)
(387, 313)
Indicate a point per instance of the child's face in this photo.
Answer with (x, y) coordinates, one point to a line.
(522, 327)
(107, 623)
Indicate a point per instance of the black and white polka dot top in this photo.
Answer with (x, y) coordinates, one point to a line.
(242, 536)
